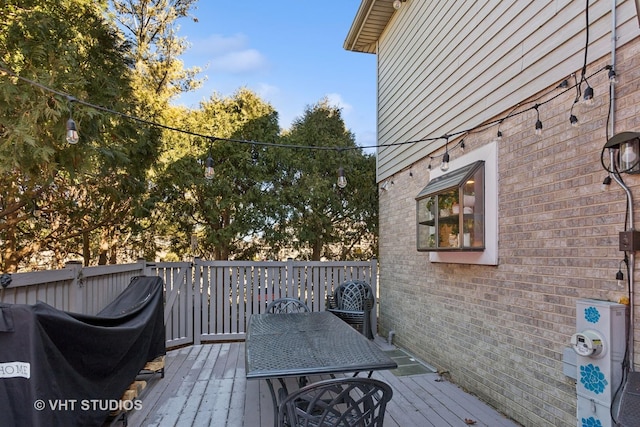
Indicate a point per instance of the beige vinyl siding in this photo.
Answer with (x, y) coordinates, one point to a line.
(447, 66)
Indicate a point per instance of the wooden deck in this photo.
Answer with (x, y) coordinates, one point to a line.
(205, 385)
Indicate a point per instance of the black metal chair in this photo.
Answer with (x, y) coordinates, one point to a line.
(287, 305)
(342, 402)
(353, 301)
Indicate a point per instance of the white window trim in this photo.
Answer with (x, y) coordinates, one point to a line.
(488, 153)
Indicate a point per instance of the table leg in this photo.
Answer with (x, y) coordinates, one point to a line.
(274, 397)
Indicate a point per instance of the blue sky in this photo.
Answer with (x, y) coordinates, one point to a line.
(289, 52)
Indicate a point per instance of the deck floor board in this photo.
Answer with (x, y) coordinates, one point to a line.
(205, 386)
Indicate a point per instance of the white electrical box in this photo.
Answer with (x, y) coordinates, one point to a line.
(599, 343)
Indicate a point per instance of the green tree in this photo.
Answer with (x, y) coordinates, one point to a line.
(222, 213)
(151, 29)
(307, 210)
(54, 195)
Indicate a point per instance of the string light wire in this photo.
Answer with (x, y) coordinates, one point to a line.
(478, 128)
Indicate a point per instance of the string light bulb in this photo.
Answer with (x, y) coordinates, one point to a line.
(208, 170)
(538, 121)
(538, 127)
(613, 78)
(573, 120)
(620, 275)
(445, 162)
(588, 95)
(342, 180)
(72, 132)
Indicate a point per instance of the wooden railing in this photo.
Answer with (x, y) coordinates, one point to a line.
(74, 288)
(204, 300)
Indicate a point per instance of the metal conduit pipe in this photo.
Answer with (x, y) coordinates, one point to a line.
(632, 264)
(631, 268)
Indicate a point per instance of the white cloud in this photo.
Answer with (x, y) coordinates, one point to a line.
(239, 61)
(335, 99)
(217, 44)
(266, 91)
(229, 54)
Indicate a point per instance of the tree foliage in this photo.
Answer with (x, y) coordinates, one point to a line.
(54, 195)
(222, 213)
(308, 210)
(150, 27)
(130, 188)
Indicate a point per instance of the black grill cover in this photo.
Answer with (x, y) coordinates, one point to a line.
(66, 369)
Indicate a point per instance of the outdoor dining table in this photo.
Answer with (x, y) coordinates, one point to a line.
(301, 344)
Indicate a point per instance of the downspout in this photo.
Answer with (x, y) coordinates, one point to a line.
(632, 262)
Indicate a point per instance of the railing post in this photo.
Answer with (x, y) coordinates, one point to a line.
(289, 275)
(76, 290)
(374, 275)
(146, 269)
(374, 288)
(198, 303)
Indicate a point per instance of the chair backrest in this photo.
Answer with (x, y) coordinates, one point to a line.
(287, 305)
(341, 402)
(354, 295)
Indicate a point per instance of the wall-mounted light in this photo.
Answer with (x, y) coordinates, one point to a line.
(397, 4)
(627, 145)
(342, 180)
(629, 155)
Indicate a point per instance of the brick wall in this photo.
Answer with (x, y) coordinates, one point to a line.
(500, 330)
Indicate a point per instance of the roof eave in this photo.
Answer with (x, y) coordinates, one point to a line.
(369, 23)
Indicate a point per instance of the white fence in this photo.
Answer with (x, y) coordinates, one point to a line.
(204, 300)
